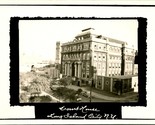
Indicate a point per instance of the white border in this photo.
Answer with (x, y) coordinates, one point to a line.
(47, 11)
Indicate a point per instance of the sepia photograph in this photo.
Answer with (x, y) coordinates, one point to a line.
(80, 60)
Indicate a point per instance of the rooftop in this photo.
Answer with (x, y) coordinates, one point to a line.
(96, 35)
(124, 76)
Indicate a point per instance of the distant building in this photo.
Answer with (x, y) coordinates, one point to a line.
(53, 72)
(58, 53)
(109, 56)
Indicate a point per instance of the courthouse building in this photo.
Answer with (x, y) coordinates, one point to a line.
(109, 56)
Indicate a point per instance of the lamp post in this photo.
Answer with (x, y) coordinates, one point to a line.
(90, 90)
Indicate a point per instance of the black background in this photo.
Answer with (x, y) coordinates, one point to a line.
(44, 109)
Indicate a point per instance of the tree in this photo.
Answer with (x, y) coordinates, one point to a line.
(45, 98)
(35, 89)
(59, 92)
(71, 95)
(79, 91)
(23, 97)
(66, 93)
(65, 81)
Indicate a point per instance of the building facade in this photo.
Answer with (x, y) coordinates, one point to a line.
(110, 57)
(58, 53)
(117, 83)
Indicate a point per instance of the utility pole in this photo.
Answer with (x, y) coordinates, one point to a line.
(90, 72)
(91, 82)
(90, 90)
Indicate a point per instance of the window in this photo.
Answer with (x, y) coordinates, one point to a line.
(83, 65)
(83, 56)
(85, 46)
(107, 82)
(88, 56)
(99, 83)
(99, 66)
(87, 75)
(83, 75)
(103, 57)
(87, 66)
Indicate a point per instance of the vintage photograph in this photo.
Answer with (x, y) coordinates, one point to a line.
(78, 60)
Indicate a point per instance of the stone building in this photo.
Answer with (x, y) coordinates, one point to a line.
(58, 53)
(124, 83)
(109, 56)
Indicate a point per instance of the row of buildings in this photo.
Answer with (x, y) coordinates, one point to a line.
(109, 57)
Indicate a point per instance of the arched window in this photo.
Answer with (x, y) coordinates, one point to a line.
(88, 56)
(81, 56)
(84, 55)
(64, 57)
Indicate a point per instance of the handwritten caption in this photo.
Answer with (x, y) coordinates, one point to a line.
(85, 112)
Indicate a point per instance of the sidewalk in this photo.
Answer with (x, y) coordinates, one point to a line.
(53, 98)
(100, 96)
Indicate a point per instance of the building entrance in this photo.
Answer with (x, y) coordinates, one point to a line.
(73, 69)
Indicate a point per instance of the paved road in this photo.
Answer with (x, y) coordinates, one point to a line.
(53, 98)
(97, 95)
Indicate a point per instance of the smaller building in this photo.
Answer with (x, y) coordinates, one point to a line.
(117, 84)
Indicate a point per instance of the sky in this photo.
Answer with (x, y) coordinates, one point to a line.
(37, 38)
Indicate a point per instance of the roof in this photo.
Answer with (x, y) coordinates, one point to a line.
(94, 33)
(124, 76)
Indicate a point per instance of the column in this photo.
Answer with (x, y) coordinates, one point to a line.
(102, 83)
(68, 69)
(111, 84)
(65, 69)
(71, 69)
(96, 82)
(107, 61)
(79, 70)
(75, 69)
